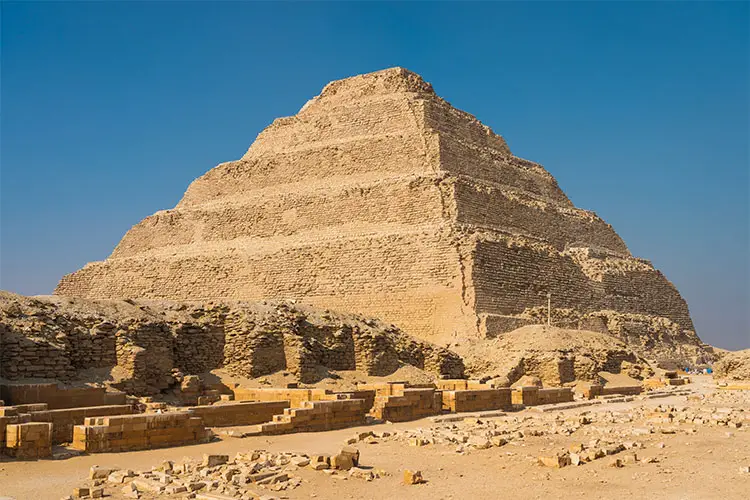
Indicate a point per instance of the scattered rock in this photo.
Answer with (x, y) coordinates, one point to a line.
(413, 477)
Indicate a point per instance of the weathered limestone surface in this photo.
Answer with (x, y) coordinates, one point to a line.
(380, 198)
(477, 400)
(64, 420)
(138, 432)
(532, 396)
(316, 416)
(240, 413)
(150, 346)
(55, 397)
(28, 440)
(408, 404)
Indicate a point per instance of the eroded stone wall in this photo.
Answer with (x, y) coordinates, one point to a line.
(151, 346)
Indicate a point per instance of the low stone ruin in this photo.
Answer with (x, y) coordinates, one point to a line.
(734, 366)
(139, 432)
(151, 346)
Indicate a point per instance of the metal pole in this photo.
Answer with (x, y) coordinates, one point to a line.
(549, 308)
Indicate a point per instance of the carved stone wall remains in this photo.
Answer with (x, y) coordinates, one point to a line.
(151, 346)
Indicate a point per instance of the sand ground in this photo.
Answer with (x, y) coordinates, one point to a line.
(702, 465)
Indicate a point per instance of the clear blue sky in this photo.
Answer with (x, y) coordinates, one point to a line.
(640, 110)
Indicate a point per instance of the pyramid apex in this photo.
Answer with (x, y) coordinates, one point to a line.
(395, 79)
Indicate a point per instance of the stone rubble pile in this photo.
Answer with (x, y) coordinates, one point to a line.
(248, 476)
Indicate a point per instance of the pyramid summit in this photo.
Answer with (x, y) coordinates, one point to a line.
(380, 198)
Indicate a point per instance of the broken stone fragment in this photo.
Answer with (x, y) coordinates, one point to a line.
(499, 441)
(576, 448)
(555, 461)
(214, 460)
(166, 466)
(342, 462)
(119, 476)
(149, 485)
(196, 485)
(351, 452)
(274, 479)
(365, 474)
(479, 443)
(413, 477)
(320, 462)
(97, 472)
(613, 449)
(228, 474)
(130, 491)
(80, 492)
(261, 476)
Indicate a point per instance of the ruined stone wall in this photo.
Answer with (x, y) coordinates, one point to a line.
(410, 404)
(242, 413)
(295, 397)
(199, 348)
(138, 432)
(532, 396)
(152, 345)
(476, 400)
(63, 420)
(316, 416)
(29, 440)
(55, 397)
(24, 357)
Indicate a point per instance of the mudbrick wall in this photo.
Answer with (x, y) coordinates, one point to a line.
(150, 346)
(380, 198)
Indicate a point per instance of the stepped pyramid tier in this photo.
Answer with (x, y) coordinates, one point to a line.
(380, 198)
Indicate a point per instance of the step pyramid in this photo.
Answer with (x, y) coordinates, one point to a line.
(380, 198)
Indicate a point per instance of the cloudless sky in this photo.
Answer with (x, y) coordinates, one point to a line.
(640, 110)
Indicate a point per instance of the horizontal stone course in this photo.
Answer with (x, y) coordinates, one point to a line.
(64, 420)
(28, 440)
(139, 432)
(57, 397)
(315, 416)
(239, 413)
(295, 397)
(532, 396)
(477, 400)
(411, 404)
